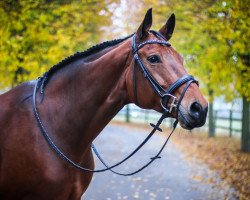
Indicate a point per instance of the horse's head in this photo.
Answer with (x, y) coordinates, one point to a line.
(157, 76)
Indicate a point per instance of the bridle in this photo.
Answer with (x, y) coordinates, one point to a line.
(165, 96)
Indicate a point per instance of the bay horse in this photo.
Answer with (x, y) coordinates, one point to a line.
(77, 98)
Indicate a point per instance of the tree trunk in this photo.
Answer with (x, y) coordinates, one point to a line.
(245, 137)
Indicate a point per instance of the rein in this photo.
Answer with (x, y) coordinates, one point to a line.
(165, 96)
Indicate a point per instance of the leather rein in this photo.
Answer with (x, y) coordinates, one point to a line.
(165, 96)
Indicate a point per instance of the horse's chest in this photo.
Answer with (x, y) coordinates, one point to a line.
(49, 187)
(32, 175)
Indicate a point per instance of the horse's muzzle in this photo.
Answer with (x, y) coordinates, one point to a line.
(194, 117)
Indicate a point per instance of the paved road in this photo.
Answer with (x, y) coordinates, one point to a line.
(171, 177)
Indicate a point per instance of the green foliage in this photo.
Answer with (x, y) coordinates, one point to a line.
(34, 35)
(226, 51)
(222, 55)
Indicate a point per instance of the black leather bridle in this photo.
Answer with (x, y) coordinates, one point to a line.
(165, 96)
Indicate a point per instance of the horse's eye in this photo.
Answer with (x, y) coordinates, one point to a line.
(154, 59)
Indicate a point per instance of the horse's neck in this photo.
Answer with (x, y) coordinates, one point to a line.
(83, 98)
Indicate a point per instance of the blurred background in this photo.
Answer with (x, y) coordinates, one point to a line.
(212, 35)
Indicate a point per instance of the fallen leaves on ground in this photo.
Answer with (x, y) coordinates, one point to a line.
(221, 154)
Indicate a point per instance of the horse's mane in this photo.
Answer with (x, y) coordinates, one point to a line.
(78, 55)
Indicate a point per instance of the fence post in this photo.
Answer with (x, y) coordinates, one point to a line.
(245, 137)
(146, 116)
(230, 122)
(211, 121)
(171, 122)
(127, 114)
(215, 120)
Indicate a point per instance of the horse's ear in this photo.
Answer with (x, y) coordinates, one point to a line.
(142, 31)
(168, 29)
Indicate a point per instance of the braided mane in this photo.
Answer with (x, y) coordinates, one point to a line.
(94, 49)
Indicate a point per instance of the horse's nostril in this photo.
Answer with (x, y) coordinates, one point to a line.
(195, 110)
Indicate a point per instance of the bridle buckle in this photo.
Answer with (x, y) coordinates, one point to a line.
(164, 102)
(173, 104)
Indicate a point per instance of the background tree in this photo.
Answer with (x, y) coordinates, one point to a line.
(34, 35)
(228, 23)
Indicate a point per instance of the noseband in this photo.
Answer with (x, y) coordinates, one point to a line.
(165, 96)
